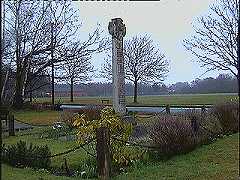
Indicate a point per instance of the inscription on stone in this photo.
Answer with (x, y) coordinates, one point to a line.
(118, 30)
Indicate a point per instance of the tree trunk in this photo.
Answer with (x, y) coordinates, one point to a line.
(238, 50)
(21, 77)
(18, 98)
(53, 97)
(26, 70)
(71, 90)
(52, 65)
(2, 33)
(5, 81)
(135, 92)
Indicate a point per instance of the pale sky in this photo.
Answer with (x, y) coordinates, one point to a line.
(168, 22)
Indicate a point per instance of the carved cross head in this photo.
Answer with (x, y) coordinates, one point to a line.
(116, 28)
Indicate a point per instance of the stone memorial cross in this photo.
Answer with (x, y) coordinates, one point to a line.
(118, 30)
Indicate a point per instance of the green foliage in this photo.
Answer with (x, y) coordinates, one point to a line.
(21, 155)
(219, 160)
(124, 155)
(108, 118)
(120, 153)
(210, 128)
(88, 169)
(68, 118)
(56, 132)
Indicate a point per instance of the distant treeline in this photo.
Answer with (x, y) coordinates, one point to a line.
(222, 84)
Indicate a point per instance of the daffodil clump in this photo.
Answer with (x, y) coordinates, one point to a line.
(119, 133)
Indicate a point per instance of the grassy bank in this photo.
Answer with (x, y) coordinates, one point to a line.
(75, 159)
(219, 160)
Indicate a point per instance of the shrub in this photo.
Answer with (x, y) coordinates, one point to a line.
(205, 126)
(172, 135)
(41, 106)
(118, 130)
(195, 118)
(228, 116)
(87, 124)
(68, 118)
(92, 112)
(21, 155)
(211, 125)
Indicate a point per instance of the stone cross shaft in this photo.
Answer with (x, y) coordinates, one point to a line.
(118, 30)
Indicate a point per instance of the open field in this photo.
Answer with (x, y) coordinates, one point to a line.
(48, 116)
(219, 160)
(176, 99)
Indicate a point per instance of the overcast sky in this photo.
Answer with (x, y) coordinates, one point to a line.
(168, 22)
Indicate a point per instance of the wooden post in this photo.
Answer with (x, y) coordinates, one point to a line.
(203, 110)
(103, 153)
(11, 125)
(194, 124)
(168, 109)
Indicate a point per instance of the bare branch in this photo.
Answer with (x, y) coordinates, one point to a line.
(215, 39)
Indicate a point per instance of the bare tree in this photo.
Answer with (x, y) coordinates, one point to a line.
(29, 23)
(76, 68)
(143, 62)
(216, 37)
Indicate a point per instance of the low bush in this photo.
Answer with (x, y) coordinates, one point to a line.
(119, 133)
(228, 116)
(183, 132)
(92, 112)
(205, 126)
(210, 127)
(21, 155)
(41, 106)
(68, 118)
(173, 135)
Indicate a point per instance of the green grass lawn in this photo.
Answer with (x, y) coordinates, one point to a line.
(37, 117)
(56, 146)
(219, 160)
(176, 99)
(75, 159)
